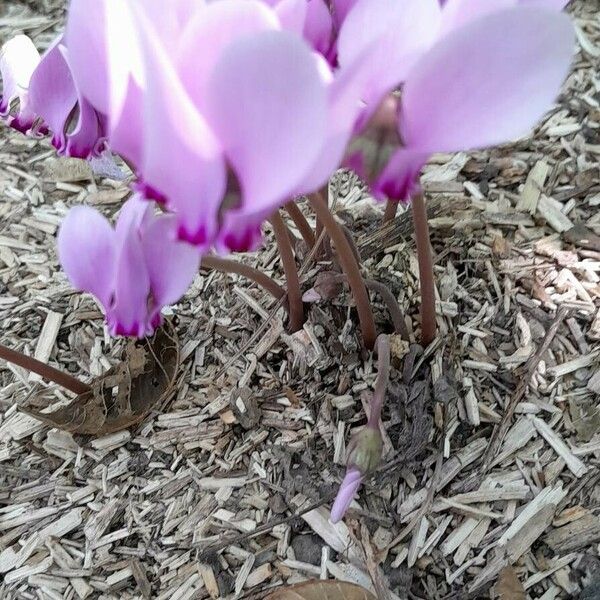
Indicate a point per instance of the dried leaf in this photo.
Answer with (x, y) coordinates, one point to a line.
(509, 587)
(321, 590)
(328, 285)
(123, 396)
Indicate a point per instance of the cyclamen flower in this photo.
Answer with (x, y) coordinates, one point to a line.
(134, 269)
(227, 109)
(223, 112)
(46, 97)
(18, 60)
(466, 83)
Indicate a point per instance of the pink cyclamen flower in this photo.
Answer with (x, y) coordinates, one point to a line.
(18, 60)
(464, 82)
(48, 98)
(377, 38)
(475, 88)
(134, 269)
(224, 108)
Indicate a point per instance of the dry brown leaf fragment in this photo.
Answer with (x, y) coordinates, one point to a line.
(123, 396)
(321, 590)
(509, 587)
(501, 247)
(328, 285)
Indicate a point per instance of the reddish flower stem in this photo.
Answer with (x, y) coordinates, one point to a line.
(43, 370)
(301, 223)
(230, 266)
(425, 258)
(324, 248)
(381, 383)
(350, 267)
(294, 293)
(388, 299)
(392, 305)
(391, 208)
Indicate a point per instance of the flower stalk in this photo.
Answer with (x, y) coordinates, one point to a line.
(365, 448)
(301, 223)
(294, 293)
(426, 277)
(43, 370)
(230, 266)
(350, 268)
(382, 381)
(391, 208)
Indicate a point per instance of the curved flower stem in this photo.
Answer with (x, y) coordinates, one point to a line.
(392, 305)
(381, 383)
(388, 298)
(324, 248)
(230, 266)
(301, 223)
(296, 308)
(350, 267)
(43, 370)
(425, 258)
(391, 208)
(351, 242)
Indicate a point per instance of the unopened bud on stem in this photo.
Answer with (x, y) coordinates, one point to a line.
(364, 450)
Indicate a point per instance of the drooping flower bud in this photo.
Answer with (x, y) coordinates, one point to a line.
(364, 450)
(363, 456)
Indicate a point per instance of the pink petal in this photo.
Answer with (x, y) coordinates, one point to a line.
(129, 312)
(392, 37)
(52, 93)
(400, 176)
(267, 104)
(241, 230)
(182, 159)
(346, 493)
(134, 216)
(318, 27)
(479, 87)
(172, 19)
(552, 4)
(127, 128)
(210, 32)
(460, 12)
(53, 96)
(104, 51)
(292, 14)
(106, 57)
(172, 265)
(87, 251)
(340, 9)
(88, 137)
(344, 108)
(18, 61)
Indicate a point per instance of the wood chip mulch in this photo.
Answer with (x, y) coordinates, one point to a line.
(492, 442)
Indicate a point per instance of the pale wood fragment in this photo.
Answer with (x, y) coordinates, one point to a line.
(576, 466)
(534, 186)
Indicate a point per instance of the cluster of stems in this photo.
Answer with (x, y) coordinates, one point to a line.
(349, 261)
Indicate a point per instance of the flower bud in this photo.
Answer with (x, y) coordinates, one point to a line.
(364, 450)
